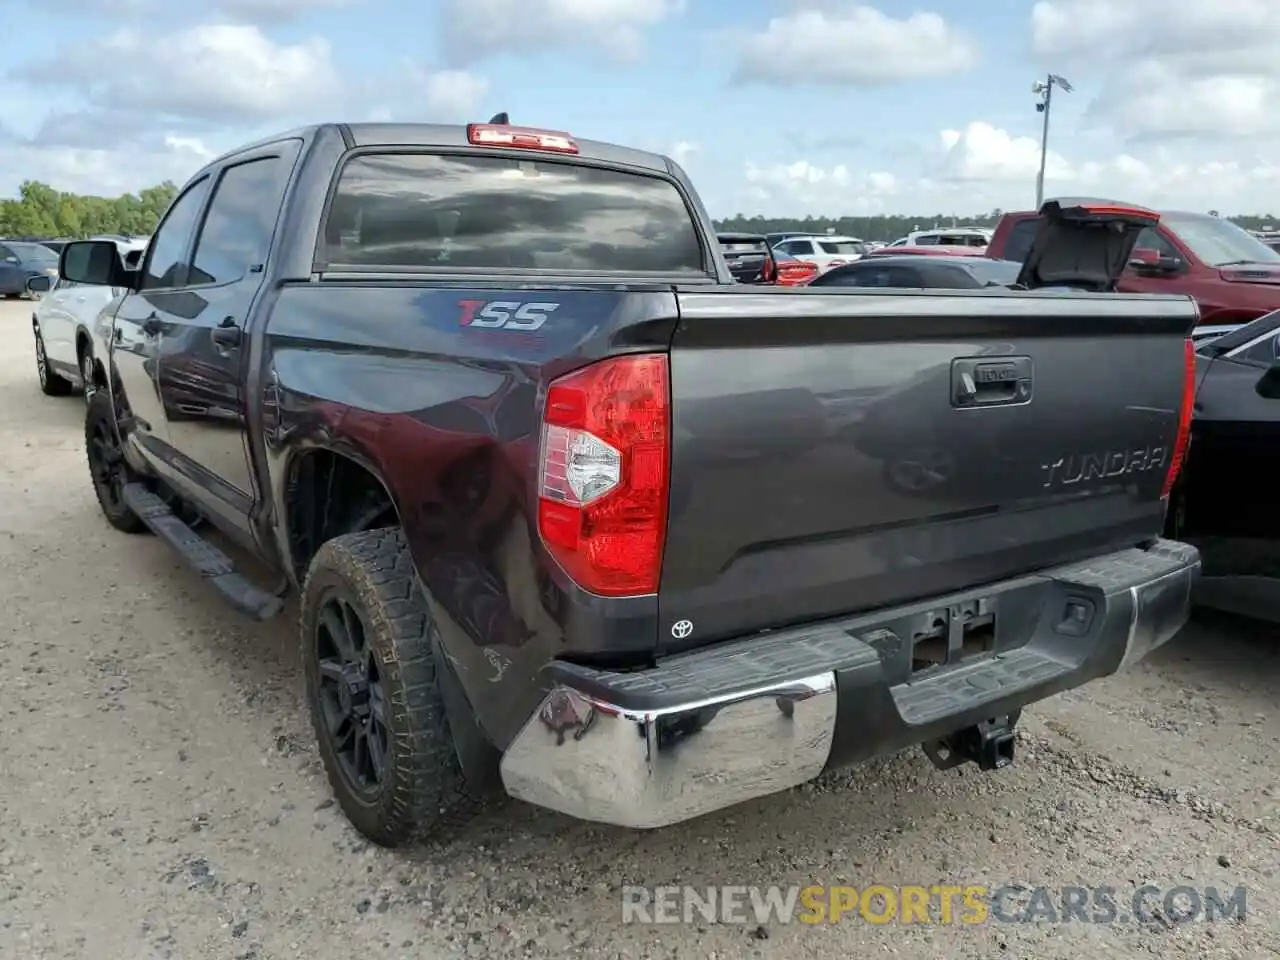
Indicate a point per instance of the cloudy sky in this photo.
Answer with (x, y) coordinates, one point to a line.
(774, 106)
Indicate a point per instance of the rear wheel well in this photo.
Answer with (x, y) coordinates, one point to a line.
(328, 495)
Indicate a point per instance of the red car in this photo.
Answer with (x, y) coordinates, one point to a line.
(1233, 276)
(790, 272)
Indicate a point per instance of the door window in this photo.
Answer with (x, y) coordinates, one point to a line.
(167, 263)
(1150, 239)
(236, 233)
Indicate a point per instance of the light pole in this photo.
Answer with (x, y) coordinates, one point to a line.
(1044, 89)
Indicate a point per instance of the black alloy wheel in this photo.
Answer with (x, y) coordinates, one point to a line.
(351, 695)
(107, 466)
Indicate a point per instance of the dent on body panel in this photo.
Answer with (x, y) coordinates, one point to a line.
(450, 423)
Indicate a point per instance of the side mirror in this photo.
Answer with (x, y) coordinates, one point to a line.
(1269, 382)
(94, 262)
(40, 284)
(1160, 267)
(12, 260)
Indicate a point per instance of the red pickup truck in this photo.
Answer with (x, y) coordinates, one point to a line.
(1233, 276)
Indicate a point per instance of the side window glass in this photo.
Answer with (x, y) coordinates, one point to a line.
(904, 277)
(167, 265)
(1021, 235)
(242, 217)
(1150, 239)
(803, 247)
(6, 253)
(1263, 353)
(846, 278)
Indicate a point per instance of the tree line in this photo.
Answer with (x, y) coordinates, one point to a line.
(41, 211)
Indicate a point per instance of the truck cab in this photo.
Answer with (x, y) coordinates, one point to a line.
(1233, 276)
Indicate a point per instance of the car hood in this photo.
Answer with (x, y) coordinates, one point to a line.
(1083, 247)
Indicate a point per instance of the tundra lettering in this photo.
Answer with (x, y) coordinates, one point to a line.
(1103, 466)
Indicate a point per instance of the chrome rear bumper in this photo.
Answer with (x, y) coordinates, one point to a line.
(743, 719)
(596, 761)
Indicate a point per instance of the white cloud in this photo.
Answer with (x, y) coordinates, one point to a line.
(982, 167)
(102, 172)
(981, 152)
(1181, 68)
(253, 11)
(476, 29)
(224, 72)
(855, 45)
(221, 75)
(682, 151)
(805, 187)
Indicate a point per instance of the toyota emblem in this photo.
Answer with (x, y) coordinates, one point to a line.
(681, 629)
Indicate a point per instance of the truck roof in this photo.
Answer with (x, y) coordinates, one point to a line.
(450, 135)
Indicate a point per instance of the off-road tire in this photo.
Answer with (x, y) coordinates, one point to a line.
(424, 792)
(51, 384)
(99, 413)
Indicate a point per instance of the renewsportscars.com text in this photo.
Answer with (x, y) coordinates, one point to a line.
(939, 904)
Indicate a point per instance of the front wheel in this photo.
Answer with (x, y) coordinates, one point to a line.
(373, 693)
(107, 466)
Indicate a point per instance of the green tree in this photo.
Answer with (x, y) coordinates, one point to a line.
(41, 211)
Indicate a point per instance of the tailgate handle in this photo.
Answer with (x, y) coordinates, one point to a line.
(990, 382)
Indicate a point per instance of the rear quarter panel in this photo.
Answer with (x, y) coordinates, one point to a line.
(448, 417)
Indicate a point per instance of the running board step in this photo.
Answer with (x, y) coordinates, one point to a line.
(214, 565)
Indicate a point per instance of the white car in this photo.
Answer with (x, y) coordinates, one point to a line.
(64, 324)
(954, 237)
(825, 251)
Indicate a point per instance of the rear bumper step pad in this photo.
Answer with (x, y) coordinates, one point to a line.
(744, 718)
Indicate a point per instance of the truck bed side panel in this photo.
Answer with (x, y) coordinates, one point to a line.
(448, 416)
(820, 466)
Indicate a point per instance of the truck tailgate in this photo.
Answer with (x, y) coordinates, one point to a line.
(840, 452)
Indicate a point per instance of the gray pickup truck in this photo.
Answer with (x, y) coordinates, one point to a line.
(573, 517)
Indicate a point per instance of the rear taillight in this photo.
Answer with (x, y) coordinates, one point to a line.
(1184, 417)
(767, 274)
(603, 473)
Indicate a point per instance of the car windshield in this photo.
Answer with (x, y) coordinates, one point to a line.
(1218, 242)
(1000, 272)
(33, 253)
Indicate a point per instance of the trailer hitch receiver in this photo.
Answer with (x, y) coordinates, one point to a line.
(989, 744)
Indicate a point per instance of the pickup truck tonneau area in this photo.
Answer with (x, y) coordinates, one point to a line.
(575, 517)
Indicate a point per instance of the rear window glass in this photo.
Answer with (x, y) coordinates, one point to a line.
(470, 212)
(1017, 243)
(743, 246)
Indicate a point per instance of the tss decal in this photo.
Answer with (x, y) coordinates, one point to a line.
(504, 314)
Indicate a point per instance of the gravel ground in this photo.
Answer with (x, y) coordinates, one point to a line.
(161, 796)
